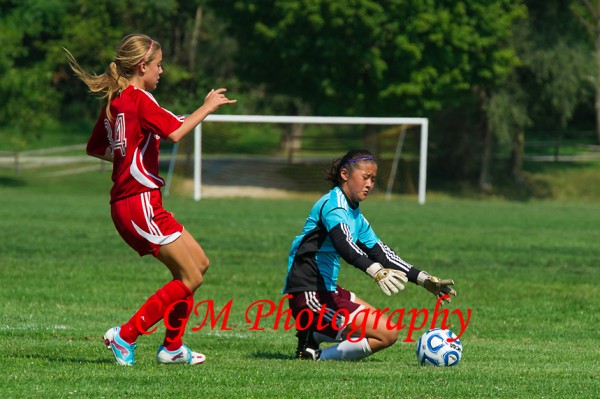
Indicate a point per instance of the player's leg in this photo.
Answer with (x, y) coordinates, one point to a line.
(148, 228)
(306, 335)
(375, 327)
(305, 307)
(369, 324)
(187, 262)
(141, 221)
(374, 340)
(173, 296)
(329, 313)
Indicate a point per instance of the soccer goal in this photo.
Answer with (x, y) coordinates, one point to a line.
(398, 132)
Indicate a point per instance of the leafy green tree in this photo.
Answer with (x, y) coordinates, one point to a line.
(457, 62)
(383, 58)
(587, 13)
(26, 106)
(373, 57)
(545, 89)
(37, 89)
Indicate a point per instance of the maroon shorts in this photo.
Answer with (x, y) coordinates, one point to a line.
(326, 312)
(143, 222)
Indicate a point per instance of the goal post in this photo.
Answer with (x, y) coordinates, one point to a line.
(422, 122)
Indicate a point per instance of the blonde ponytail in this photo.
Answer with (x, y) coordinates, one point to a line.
(134, 50)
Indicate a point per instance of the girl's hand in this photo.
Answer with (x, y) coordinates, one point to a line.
(215, 99)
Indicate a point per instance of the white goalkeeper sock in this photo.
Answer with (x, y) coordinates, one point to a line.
(347, 350)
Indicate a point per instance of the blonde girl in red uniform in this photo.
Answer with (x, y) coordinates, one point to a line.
(128, 133)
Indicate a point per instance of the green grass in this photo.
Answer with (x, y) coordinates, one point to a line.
(528, 271)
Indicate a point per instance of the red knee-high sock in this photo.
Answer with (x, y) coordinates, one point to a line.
(176, 321)
(153, 310)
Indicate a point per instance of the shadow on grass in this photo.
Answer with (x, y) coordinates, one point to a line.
(271, 356)
(285, 356)
(6, 181)
(56, 359)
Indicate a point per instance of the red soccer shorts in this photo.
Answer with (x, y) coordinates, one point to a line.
(334, 310)
(143, 222)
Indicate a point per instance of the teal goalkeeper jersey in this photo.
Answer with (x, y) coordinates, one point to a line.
(335, 228)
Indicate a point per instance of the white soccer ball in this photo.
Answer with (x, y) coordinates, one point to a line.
(433, 348)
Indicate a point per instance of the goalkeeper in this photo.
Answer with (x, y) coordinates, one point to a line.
(335, 227)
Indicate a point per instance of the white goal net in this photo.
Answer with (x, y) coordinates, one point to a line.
(292, 152)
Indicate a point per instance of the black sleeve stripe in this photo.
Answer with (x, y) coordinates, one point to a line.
(352, 244)
(389, 259)
(393, 258)
(342, 242)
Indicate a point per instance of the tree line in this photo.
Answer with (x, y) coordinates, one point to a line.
(487, 73)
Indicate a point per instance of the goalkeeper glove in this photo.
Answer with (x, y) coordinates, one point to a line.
(436, 286)
(390, 281)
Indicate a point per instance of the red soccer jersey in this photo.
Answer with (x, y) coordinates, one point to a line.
(134, 138)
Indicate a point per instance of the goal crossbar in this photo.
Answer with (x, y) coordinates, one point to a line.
(316, 120)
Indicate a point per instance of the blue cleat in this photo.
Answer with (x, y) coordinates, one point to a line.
(122, 350)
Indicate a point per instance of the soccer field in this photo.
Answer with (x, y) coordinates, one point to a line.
(528, 272)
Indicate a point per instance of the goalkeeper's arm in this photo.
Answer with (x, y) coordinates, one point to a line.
(342, 241)
(388, 258)
(383, 254)
(389, 280)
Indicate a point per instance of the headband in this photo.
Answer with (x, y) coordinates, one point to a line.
(357, 160)
(147, 52)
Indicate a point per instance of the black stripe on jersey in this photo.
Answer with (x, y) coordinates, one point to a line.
(389, 259)
(344, 245)
(392, 257)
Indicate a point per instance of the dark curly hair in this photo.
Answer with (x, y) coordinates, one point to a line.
(348, 161)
